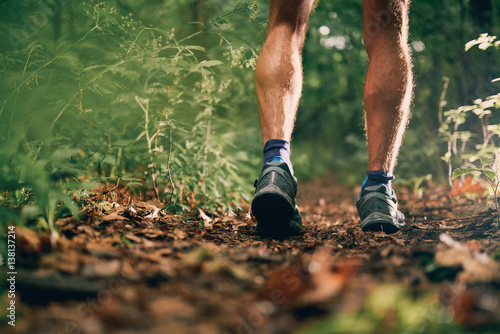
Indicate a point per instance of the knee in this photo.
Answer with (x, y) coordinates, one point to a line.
(386, 26)
(290, 17)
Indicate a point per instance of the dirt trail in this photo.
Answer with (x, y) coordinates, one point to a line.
(132, 269)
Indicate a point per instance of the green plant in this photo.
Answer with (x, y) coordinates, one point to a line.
(108, 97)
(475, 154)
(407, 314)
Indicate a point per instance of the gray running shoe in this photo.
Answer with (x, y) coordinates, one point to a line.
(378, 210)
(273, 204)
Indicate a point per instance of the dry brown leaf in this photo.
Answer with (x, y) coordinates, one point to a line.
(65, 221)
(196, 257)
(113, 216)
(314, 283)
(171, 306)
(133, 237)
(206, 219)
(28, 240)
(131, 211)
(101, 249)
(399, 241)
(217, 224)
(469, 186)
(146, 243)
(325, 282)
(101, 268)
(155, 213)
(477, 266)
(154, 234)
(180, 234)
(70, 268)
(87, 229)
(160, 256)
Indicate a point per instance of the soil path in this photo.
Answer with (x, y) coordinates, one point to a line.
(129, 268)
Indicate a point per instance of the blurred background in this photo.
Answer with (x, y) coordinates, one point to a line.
(160, 95)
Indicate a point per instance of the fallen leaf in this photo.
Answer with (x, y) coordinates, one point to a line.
(101, 268)
(326, 280)
(180, 234)
(28, 240)
(101, 249)
(206, 219)
(87, 230)
(154, 214)
(197, 256)
(469, 186)
(133, 237)
(217, 224)
(477, 266)
(171, 307)
(132, 212)
(154, 234)
(303, 285)
(113, 216)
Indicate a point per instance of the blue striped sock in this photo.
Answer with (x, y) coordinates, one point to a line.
(378, 177)
(278, 150)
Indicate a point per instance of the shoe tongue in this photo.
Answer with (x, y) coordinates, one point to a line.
(279, 164)
(381, 188)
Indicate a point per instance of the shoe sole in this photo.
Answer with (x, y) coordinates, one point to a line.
(273, 211)
(379, 222)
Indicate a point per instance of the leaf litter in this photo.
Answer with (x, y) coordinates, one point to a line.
(131, 267)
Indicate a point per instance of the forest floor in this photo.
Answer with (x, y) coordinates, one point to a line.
(131, 268)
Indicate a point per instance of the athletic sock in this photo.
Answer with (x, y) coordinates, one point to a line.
(277, 150)
(378, 177)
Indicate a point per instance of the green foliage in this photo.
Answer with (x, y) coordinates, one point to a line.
(477, 155)
(92, 90)
(391, 309)
(471, 152)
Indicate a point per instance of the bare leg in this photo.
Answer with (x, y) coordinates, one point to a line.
(278, 79)
(389, 81)
(278, 74)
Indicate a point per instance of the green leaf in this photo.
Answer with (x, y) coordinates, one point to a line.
(92, 179)
(206, 63)
(209, 63)
(131, 179)
(193, 47)
(461, 171)
(489, 174)
(123, 142)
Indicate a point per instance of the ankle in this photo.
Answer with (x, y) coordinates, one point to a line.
(375, 178)
(278, 150)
